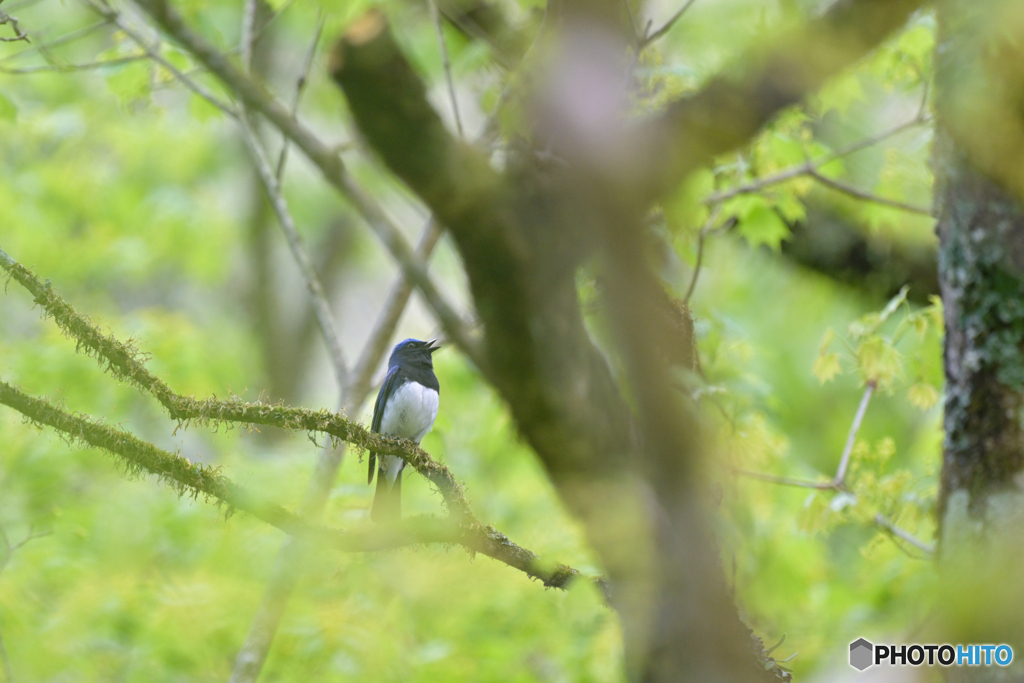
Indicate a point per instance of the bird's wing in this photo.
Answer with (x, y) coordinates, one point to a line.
(391, 383)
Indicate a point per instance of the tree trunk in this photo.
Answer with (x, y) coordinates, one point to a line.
(981, 277)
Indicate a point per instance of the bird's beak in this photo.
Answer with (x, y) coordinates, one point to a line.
(433, 345)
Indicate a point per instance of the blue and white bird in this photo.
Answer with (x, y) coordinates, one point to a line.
(406, 407)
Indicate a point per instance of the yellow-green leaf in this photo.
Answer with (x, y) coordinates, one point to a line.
(923, 395)
(826, 366)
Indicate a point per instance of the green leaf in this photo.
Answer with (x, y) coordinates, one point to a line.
(130, 82)
(879, 360)
(761, 224)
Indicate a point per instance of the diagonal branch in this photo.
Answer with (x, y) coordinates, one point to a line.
(256, 98)
(321, 309)
(867, 196)
(125, 362)
(195, 480)
(380, 336)
(667, 26)
(814, 165)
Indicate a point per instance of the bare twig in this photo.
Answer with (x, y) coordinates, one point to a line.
(851, 437)
(63, 68)
(13, 22)
(62, 40)
(838, 482)
(648, 39)
(435, 14)
(637, 35)
(321, 309)
(785, 481)
(885, 523)
(708, 227)
(326, 159)
(287, 567)
(8, 552)
(300, 87)
(111, 15)
(867, 196)
(815, 165)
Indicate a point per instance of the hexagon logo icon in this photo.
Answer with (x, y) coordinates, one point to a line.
(861, 654)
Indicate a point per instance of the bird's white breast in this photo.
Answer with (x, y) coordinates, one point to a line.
(410, 412)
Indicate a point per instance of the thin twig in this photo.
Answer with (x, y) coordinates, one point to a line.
(885, 523)
(19, 35)
(111, 15)
(67, 38)
(706, 229)
(321, 309)
(439, 26)
(867, 196)
(647, 40)
(851, 437)
(327, 160)
(785, 481)
(67, 68)
(8, 552)
(838, 482)
(815, 164)
(300, 87)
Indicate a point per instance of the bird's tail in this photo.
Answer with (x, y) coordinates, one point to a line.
(387, 499)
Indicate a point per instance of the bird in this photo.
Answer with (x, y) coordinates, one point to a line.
(406, 407)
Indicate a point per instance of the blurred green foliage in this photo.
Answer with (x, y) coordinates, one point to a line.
(134, 197)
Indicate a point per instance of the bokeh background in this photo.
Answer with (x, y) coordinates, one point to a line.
(137, 201)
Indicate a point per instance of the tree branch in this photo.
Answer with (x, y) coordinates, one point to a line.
(435, 14)
(380, 336)
(300, 87)
(193, 479)
(813, 165)
(62, 40)
(125, 362)
(68, 68)
(729, 109)
(255, 97)
(321, 309)
(838, 482)
(667, 26)
(13, 22)
(886, 523)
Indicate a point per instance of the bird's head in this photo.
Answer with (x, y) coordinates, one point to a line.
(414, 352)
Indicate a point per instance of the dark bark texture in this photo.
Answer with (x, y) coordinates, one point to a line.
(981, 276)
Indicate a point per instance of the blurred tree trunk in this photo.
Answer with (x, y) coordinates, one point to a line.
(981, 276)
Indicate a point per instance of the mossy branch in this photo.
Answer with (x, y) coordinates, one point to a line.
(127, 363)
(193, 479)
